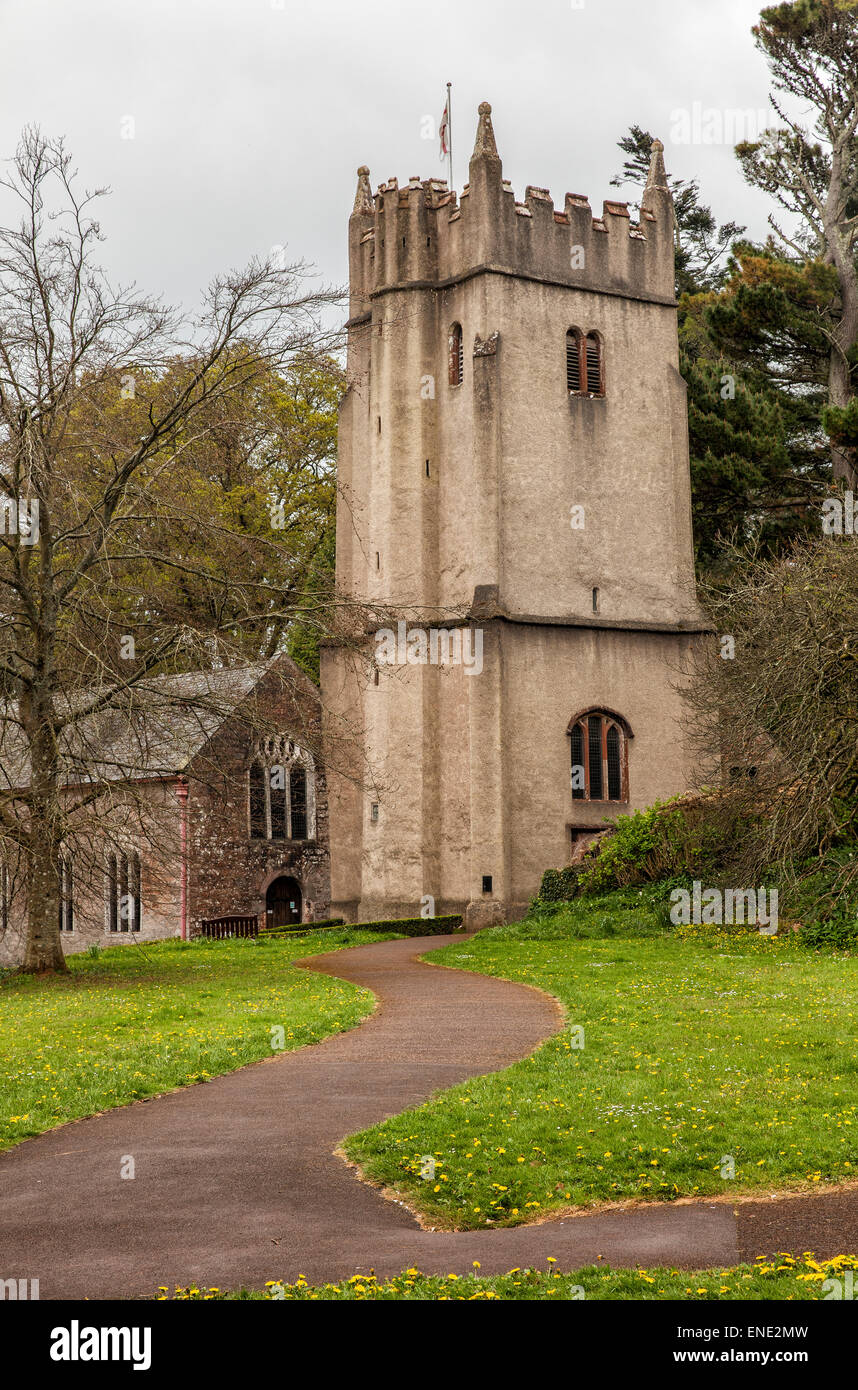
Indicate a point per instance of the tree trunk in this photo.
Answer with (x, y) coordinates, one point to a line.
(44, 947)
(43, 951)
(840, 388)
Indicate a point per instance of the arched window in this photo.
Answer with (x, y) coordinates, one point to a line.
(585, 369)
(282, 791)
(595, 385)
(122, 883)
(573, 361)
(277, 787)
(599, 749)
(456, 355)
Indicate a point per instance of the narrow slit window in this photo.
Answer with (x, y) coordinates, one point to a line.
(457, 355)
(573, 361)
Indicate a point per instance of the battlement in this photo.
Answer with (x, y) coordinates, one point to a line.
(423, 234)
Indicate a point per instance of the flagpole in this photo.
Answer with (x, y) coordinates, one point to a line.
(450, 132)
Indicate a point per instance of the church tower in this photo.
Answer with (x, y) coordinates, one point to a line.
(514, 527)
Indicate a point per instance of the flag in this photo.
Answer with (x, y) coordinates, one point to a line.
(444, 131)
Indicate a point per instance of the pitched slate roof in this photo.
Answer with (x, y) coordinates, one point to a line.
(154, 729)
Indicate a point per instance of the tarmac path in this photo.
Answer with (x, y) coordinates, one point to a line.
(237, 1181)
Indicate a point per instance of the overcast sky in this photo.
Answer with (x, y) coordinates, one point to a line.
(250, 117)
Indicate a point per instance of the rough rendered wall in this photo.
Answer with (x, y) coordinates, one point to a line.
(457, 506)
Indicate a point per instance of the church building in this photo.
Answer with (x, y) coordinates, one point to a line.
(514, 524)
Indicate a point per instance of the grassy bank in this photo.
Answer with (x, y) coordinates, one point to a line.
(137, 1020)
(709, 1064)
(784, 1279)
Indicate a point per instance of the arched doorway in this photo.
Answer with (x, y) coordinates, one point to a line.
(283, 903)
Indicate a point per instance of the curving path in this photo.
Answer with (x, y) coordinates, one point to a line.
(237, 1182)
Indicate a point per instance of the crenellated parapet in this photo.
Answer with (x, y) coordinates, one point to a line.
(422, 234)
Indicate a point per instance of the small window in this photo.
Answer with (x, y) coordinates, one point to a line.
(599, 758)
(585, 373)
(457, 355)
(487, 883)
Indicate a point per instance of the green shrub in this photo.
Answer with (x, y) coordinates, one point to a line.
(415, 926)
(822, 900)
(557, 886)
(837, 934)
(668, 840)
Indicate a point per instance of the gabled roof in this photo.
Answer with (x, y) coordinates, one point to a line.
(154, 729)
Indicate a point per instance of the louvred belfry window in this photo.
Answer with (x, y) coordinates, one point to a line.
(594, 364)
(585, 370)
(457, 355)
(599, 757)
(573, 361)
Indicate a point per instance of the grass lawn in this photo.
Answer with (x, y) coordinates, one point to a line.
(702, 1055)
(138, 1020)
(785, 1280)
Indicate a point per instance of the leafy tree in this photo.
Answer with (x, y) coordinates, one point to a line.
(141, 449)
(750, 471)
(311, 622)
(811, 170)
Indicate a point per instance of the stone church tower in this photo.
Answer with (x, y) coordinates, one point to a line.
(515, 515)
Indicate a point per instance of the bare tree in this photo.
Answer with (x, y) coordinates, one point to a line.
(777, 696)
(84, 509)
